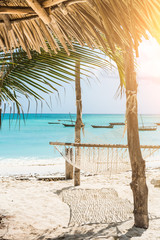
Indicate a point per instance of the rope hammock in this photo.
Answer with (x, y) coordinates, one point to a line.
(96, 206)
(103, 158)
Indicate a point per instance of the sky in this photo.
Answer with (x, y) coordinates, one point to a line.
(98, 96)
(148, 77)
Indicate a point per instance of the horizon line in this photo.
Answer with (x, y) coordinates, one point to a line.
(82, 113)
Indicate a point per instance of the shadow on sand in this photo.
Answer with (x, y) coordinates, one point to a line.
(132, 232)
(96, 231)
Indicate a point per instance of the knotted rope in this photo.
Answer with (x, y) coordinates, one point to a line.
(107, 160)
(79, 106)
(78, 103)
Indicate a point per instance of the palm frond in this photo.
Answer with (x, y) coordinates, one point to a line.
(45, 72)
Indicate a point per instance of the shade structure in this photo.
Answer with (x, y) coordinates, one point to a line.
(29, 23)
(106, 24)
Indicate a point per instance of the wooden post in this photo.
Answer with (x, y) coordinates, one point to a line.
(68, 166)
(41, 12)
(78, 124)
(138, 184)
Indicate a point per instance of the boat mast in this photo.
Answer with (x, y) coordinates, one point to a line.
(70, 117)
(142, 121)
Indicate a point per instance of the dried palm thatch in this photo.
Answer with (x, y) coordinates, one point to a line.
(29, 23)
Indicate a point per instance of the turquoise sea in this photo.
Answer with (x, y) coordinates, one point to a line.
(30, 139)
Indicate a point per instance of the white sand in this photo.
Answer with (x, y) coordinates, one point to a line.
(26, 167)
(34, 209)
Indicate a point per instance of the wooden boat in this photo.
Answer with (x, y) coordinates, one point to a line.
(117, 124)
(96, 126)
(158, 124)
(71, 125)
(143, 128)
(65, 120)
(147, 128)
(68, 125)
(53, 123)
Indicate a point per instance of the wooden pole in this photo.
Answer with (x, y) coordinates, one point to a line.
(10, 32)
(138, 184)
(45, 4)
(90, 145)
(68, 166)
(78, 124)
(41, 12)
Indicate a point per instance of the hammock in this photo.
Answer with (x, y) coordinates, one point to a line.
(96, 206)
(102, 158)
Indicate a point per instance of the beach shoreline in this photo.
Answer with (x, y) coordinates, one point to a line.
(32, 167)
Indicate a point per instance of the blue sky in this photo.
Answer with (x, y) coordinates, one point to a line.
(99, 96)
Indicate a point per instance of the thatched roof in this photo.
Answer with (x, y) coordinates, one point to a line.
(29, 23)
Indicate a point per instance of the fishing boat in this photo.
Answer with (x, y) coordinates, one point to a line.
(158, 124)
(71, 125)
(65, 120)
(68, 125)
(53, 123)
(117, 124)
(147, 128)
(96, 126)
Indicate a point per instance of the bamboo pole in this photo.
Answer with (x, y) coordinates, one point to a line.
(138, 184)
(15, 10)
(78, 124)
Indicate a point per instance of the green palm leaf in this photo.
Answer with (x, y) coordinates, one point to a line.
(45, 72)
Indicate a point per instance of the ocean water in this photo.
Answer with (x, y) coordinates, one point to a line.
(31, 139)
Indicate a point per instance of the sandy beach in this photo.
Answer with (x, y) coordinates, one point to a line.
(36, 209)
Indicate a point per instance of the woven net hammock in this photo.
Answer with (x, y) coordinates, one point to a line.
(96, 206)
(103, 159)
